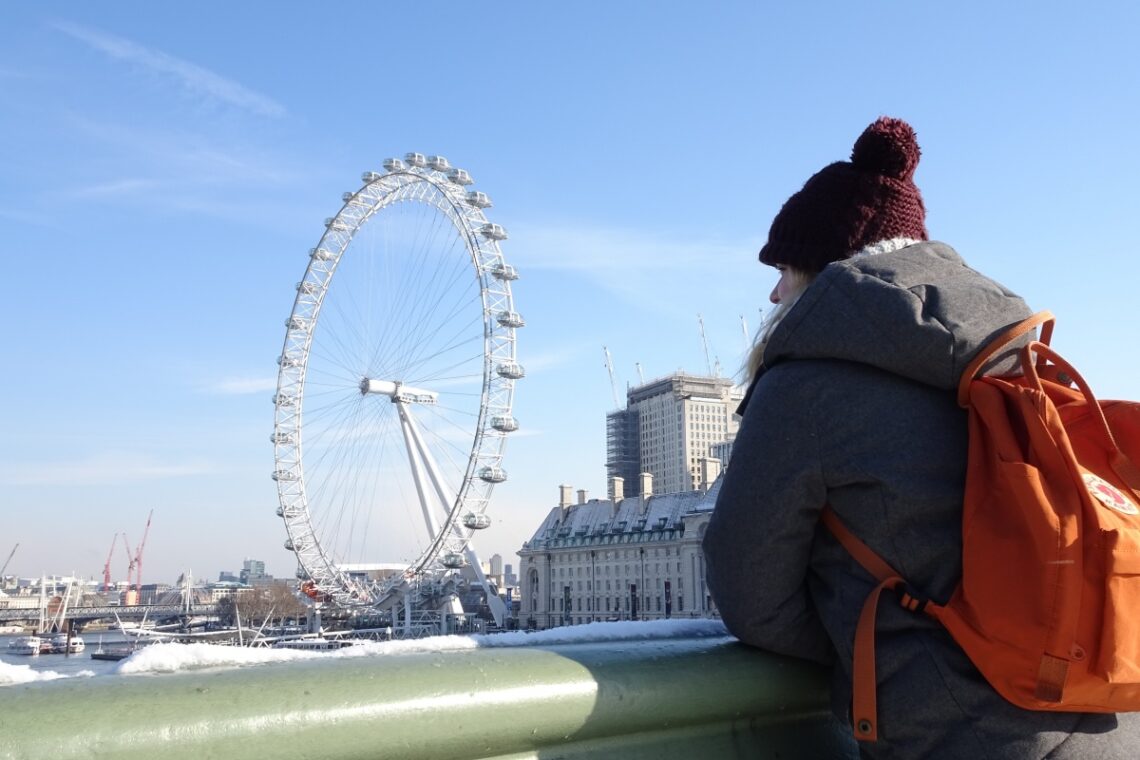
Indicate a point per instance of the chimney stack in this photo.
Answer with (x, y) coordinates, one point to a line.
(617, 488)
(646, 485)
(581, 495)
(565, 497)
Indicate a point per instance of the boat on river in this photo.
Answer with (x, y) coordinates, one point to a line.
(31, 646)
(119, 652)
(62, 643)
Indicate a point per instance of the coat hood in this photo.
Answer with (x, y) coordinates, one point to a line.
(918, 312)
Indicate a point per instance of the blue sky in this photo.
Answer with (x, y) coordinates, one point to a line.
(166, 168)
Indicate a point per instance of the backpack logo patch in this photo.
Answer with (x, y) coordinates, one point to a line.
(1109, 495)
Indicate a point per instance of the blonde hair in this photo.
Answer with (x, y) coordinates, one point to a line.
(799, 283)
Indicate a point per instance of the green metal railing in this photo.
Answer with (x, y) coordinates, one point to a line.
(659, 699)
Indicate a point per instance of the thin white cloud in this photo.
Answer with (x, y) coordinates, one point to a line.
(548, 360)
(615, 251)
(646, 269)
(114, 188)
(109, 468)
(240, 386)
(192, 77)
(26, 217)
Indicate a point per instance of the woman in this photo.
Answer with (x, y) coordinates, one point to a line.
(851, 404)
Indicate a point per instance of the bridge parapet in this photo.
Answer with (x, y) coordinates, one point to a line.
(660, 698)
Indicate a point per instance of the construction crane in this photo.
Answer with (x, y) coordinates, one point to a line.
(134, 566)
(640, 374)
(107, 565)
(139, 557)
(713, 372)
(5, 565)
(130, 600)
(613, 383)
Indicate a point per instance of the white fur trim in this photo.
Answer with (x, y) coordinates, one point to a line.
(886, 246)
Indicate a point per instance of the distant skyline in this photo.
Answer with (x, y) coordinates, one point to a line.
(166, 169)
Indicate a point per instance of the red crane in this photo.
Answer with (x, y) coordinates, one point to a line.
(107, 566)
(134, 569)
(139, 557)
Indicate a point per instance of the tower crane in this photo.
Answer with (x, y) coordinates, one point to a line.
(130, 570)
(705, 342)
(610, 368)
(5, 565)
(107, 565)
(139, 557)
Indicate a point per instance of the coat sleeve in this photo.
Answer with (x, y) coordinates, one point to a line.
(758, 542)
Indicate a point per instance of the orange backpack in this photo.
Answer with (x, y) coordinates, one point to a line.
(1048, 607)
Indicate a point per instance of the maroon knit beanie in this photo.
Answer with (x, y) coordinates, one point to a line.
(849, 205)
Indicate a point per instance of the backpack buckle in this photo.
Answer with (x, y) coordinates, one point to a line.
(909, 598)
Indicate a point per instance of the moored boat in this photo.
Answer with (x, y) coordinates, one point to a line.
(30, 646)
(62, 643)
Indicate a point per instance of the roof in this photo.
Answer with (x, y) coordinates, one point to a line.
(586, 523)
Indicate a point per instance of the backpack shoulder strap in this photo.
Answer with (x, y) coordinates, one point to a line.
(864, 704)
(859, 551)
(997, 344)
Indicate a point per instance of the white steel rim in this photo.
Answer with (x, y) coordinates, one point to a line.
(450, 199)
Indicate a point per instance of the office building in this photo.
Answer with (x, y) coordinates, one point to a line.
(667, 429)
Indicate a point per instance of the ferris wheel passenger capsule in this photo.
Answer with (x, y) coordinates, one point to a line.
(510, 370)
(297, 323)
(393, 165)
(460, 177)
(283, 475)
(288, 361)
(284, 399)
(503, 271)
(492, 474)
(321, 254)
(452, 560)
(439, 163)
(493, 231)
(337, 224)
(369, 177)
(281, 437)
(478, 199)
(415, 159)
(505, 423)
(510, 319)
(308, 288)
(476, 521)
(293, 545)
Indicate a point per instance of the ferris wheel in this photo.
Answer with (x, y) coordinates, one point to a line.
(396, 383)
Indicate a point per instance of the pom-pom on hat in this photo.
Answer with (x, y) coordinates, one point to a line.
(850, 205)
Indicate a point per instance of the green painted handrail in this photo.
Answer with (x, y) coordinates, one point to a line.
(659, 699)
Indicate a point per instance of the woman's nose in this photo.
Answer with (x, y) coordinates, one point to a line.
(774, 296)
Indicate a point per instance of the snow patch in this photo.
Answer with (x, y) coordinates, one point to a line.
(174, 657)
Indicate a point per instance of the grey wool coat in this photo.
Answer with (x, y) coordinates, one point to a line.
(855, 407)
